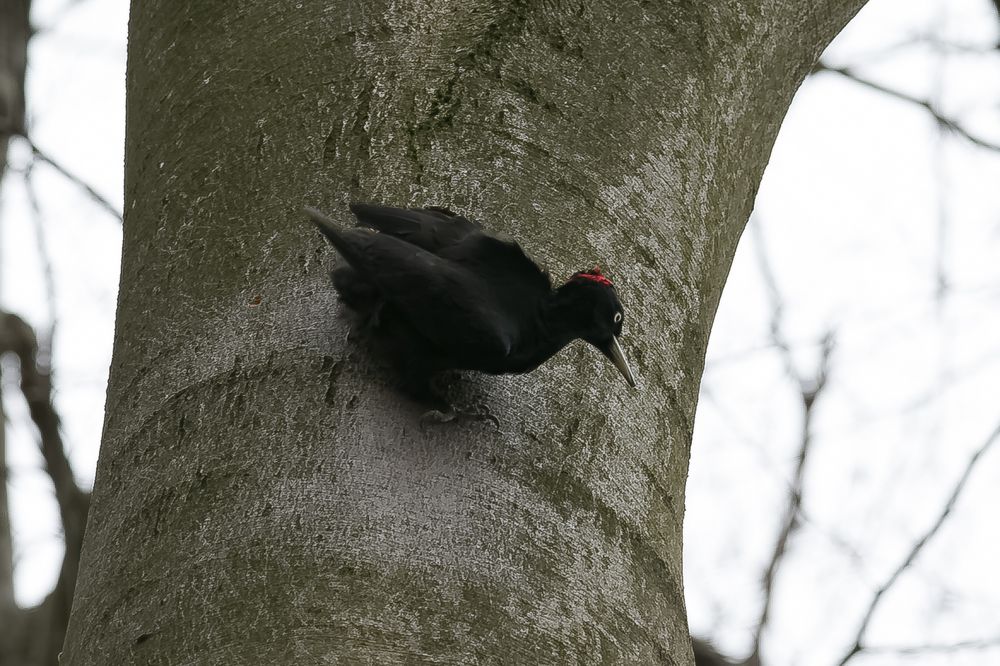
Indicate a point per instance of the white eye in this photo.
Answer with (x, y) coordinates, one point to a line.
(618, 317)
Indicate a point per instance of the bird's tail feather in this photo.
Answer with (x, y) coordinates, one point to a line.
(326, 226)
(338, 237)
(358, 292)
(393, 221)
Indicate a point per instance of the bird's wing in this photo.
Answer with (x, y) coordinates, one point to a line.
(432, 228)
(448, 304)
(503, 264)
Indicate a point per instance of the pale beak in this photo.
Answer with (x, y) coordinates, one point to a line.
(617, 356)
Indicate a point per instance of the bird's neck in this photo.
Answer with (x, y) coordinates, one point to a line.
(558, 322)
(564, 314)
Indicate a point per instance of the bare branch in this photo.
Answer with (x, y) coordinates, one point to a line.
(16, 337)
(939, 165)
(809, 390)
(79, 182)
(935, 648)
(932, 40)
(7, 606)
(15, 31)
(917, 547)
(46, 260)
(953, 47)
(705, 654)
(840, 543)
(943, 121)
(14, 35)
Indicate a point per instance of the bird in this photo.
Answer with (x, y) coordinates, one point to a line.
(436, 292)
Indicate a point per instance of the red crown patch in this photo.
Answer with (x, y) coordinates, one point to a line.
(594, 274)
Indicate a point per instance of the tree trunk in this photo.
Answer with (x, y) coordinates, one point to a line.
(15, 30)
(264, 494)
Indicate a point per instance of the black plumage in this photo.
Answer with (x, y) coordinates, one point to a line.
(438, 293)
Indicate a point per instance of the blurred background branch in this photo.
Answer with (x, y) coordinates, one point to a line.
(859, 646)
(42, 627)
(942, 120)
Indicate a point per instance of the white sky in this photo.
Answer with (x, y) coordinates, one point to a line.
(851, 212)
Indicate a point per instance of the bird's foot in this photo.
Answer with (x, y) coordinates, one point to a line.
(363, 326)
(452, 414)
(437, 417)
(483, 413)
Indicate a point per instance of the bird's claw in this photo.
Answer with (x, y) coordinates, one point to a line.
(478, 413)
(436, 416)
(483, 413)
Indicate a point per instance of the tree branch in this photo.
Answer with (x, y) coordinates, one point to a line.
(15, 31)
(7, 131)
(943, 121)
(934, 648)
(48, 273)
(918, 546)
(17, 337)
(79, 182)
(809, 390)
(705, 654)
(8, 608)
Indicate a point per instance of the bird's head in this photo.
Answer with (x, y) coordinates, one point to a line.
(604, 316)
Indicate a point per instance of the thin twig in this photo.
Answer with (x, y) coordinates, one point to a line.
(941, 119)
(869, 58)
(809, 390)
(917, 547)
(840, 543)
(935, 648)
(952, 47)
(939, 165)
(48, 273)
(79, 182)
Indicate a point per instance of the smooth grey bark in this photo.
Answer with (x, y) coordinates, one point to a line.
(263, 494)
